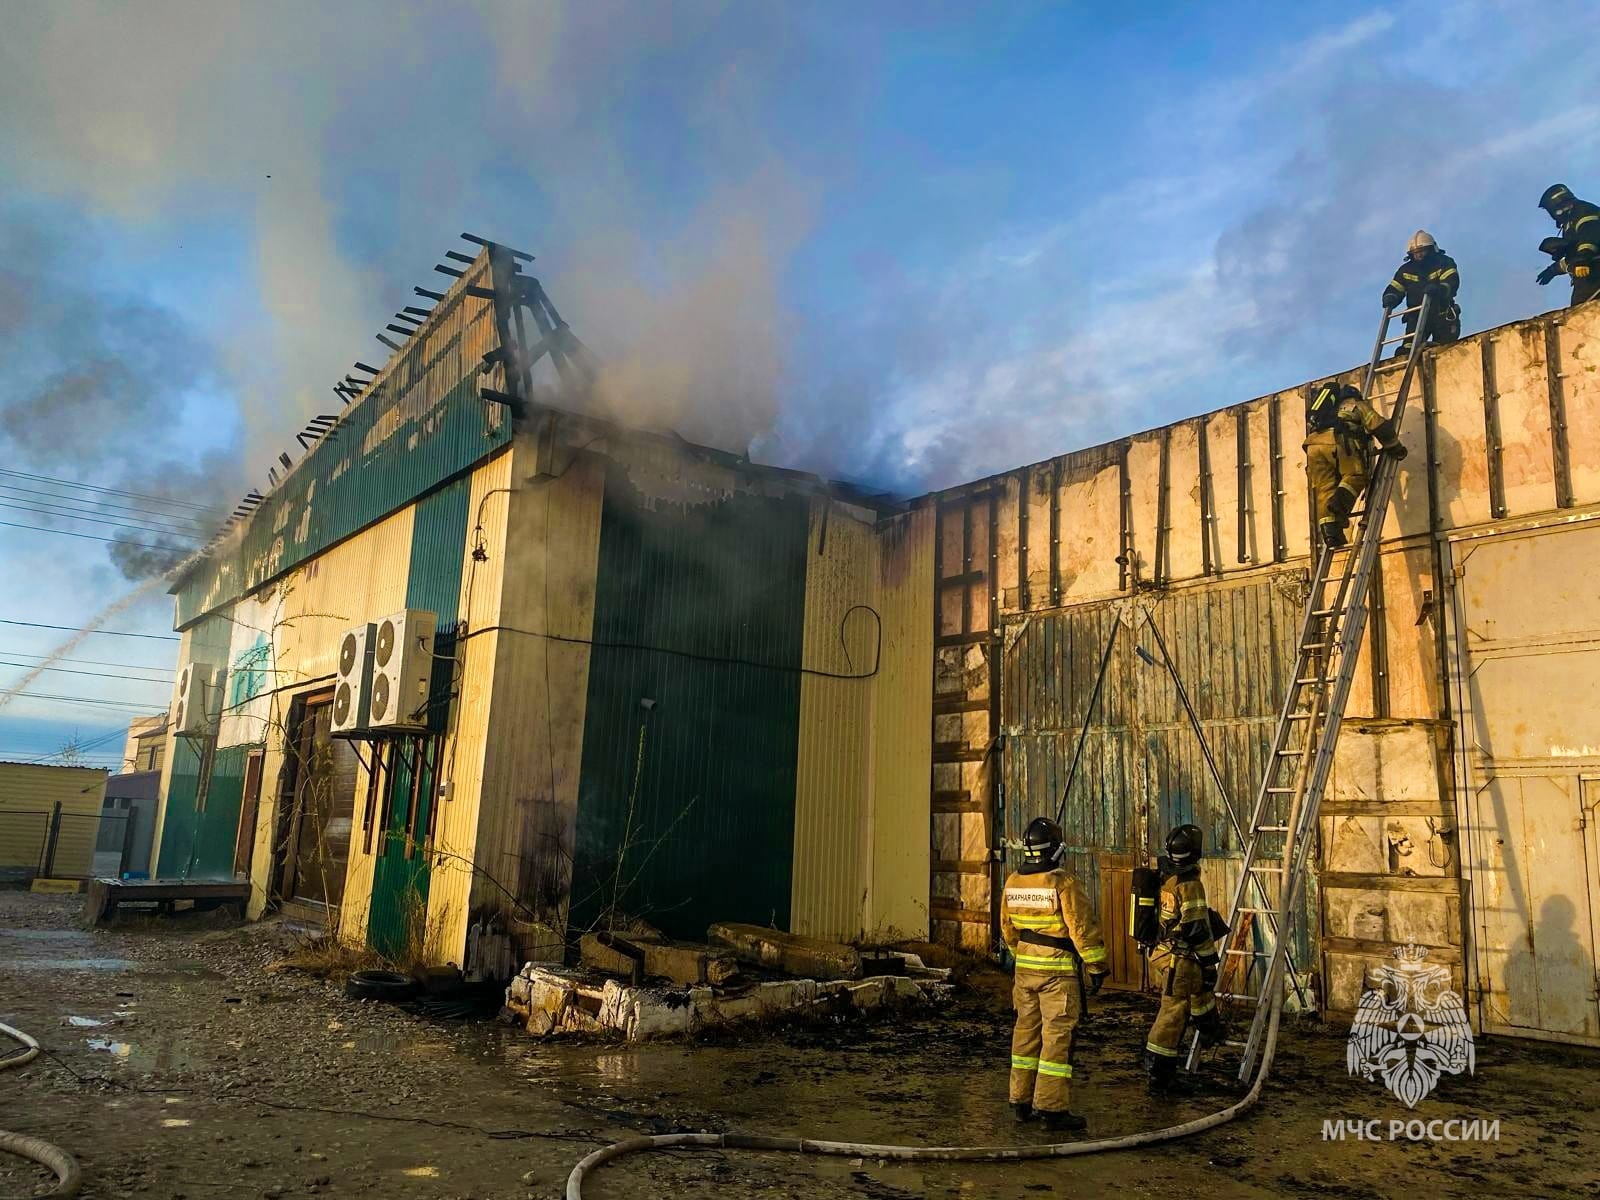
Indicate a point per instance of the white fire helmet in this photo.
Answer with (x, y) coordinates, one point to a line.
(1421, 243)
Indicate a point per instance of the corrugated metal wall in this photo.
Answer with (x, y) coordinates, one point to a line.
(28, 795)
(686, 809)
(400, 872)
(1142, 771)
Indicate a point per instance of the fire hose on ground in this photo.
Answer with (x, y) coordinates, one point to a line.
(68, 1177)
(755, 1141)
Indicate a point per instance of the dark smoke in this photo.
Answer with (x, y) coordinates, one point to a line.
(95, 381)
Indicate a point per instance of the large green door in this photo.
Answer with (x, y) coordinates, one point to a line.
(400, 874)
(686, 801)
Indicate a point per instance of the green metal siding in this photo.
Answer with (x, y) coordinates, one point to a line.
(391, 446)
(400, 883)
(198, 843)
(178, 824)
(686, 808)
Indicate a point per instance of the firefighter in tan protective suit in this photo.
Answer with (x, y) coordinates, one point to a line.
(1339, 426)
(1048, 923)
(1186, 958)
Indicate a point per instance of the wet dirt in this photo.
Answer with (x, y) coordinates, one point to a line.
(211, 1076)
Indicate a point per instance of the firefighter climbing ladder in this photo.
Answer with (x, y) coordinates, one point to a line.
(1284, 819)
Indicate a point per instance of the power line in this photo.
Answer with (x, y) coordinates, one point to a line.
(116, 704)
(90, 487)
(88, 536)
(99, 507)
(97, 674)
(159, 637)
(112, 522)
(87, 662)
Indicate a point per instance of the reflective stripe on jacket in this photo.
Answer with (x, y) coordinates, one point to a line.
(1052, 903)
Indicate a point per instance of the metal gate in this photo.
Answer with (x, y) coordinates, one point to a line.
(1527, 695)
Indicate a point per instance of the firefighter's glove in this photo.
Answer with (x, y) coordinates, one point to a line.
(1208, 977)
(1096, 978)
(1396, 451)
(1580, 272)
(1438, 291)
(1549, 273)
(1390, 301)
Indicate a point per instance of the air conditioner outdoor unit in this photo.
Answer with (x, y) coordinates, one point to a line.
(352, 693)
(402, 669)
(193, 700)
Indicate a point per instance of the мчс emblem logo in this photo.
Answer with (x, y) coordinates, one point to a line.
(1410, 1028)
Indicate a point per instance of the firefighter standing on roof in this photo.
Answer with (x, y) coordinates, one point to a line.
(1577, 251)
(1047, 921)
(1426, 271)
(1339, 425)
(1187, 959)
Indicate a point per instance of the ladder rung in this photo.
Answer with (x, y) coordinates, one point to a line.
(1271, 912)
(1246, 953)
(1284, 791)
(1272, 829)
(1291, 753)
(1299, 716)
(1323, 612)
(1273, 870)
(1309, 679)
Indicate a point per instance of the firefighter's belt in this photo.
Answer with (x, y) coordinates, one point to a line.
(1036, 938)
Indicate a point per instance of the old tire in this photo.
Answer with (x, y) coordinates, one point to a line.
(380, 985)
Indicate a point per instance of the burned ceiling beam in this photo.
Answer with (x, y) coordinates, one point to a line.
(343, 393)
(479, 241)
(421, 312)
(457, 256)
(402, 330)
(422, 291)
(480, 293)
(361, 366)
(402, 315)
(395, 346)
(451, 271)
(288, 463)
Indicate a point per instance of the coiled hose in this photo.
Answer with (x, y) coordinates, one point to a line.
(68, 1177)
(755, 1141)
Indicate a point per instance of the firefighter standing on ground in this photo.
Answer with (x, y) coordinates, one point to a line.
(1577, 251)
(1187, 958)
(1426, 271)
(1048, 923)
(1338, 425)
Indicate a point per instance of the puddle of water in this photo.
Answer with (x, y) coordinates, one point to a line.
(46, 935)
(167, 1057)
(72, 964)
(85, 1022)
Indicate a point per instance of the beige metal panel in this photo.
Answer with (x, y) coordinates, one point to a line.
(1040, 485)
(1262, 499)
(1578, 334)
(1144, 481)
(1411, 639)
(1528, 671)
(901, 729)
(27, 788)
(1008, 541)
(831, 883)
(1222, 523)
(1184, 557)
(455, 831)
(1408, 506)
(1091, 528)
(528, 797)
(1523, 384)
(1461, 448)
(1296, 495)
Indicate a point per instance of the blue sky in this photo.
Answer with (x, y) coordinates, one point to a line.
(908, 244)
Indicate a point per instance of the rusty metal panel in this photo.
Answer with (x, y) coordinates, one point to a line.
(1524, 386)
(1527, 662)
(1090, 526)
(1141, 769)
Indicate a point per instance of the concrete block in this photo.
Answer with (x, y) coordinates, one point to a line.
(811, 958)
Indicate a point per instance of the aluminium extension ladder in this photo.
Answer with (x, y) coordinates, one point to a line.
(1283, 822)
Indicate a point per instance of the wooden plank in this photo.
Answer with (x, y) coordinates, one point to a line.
(1438, 807)
(953, 805)
(958, 704)
(964, 639)
(962, 866)
(1387, 883)
(969, 916)
(1341, 945)
(954, 752)
(965, 579)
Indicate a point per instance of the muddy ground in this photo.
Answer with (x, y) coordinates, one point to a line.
(180, 1067)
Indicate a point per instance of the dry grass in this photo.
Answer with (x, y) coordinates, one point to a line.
(326, 957)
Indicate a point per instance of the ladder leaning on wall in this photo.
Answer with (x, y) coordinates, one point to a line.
(1283, 822)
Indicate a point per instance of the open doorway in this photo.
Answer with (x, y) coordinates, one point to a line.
(316, 803)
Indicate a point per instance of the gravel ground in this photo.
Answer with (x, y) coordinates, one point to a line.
(179, 1066)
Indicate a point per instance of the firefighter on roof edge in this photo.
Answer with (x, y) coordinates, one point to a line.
(1426, 271)
(1339, 424)
(1576, 252)
(1186, 956)
(1047, 921)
